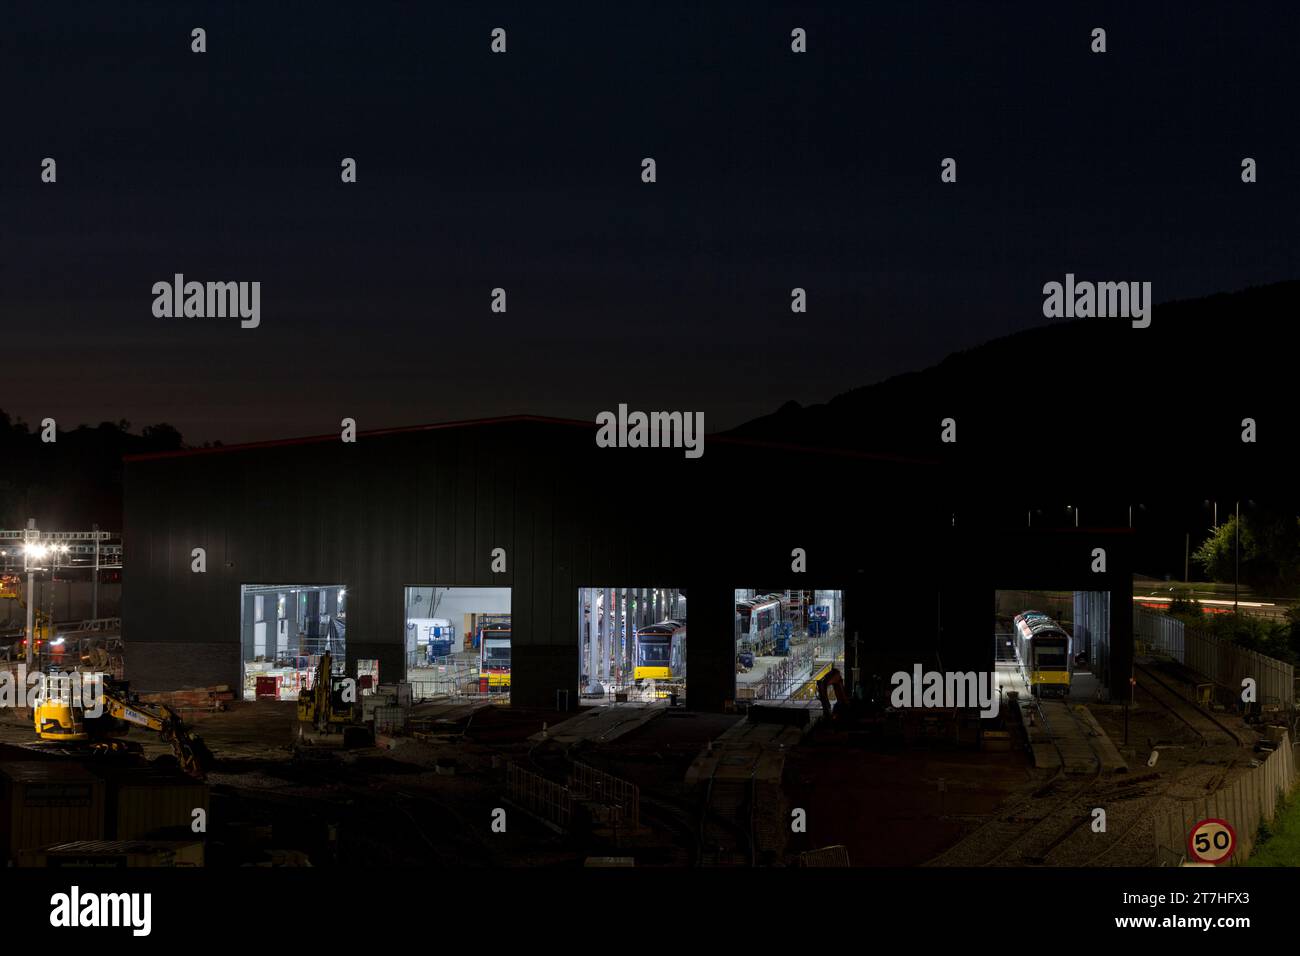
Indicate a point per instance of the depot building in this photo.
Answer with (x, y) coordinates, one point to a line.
(517, 558)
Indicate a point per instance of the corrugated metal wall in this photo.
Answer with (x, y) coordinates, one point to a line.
(1092, 631)
(426, 507)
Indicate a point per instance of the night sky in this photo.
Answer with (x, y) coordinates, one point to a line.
(522, 170)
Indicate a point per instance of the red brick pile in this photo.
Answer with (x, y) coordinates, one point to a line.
(194, 702)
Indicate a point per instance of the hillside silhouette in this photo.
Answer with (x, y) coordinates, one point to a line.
(1089, 396)
(74, 482)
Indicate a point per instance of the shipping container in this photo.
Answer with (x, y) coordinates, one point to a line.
(46, 802)
(115, 854)
(142, 802)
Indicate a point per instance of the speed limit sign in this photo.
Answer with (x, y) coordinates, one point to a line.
(1212, 841)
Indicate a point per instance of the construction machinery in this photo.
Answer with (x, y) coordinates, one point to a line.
(330, 705)
(62, 718)
(16, 648)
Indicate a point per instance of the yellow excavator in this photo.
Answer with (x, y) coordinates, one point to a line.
(61, 719)
(330, 705)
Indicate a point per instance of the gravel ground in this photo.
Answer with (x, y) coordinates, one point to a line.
(1050, 822)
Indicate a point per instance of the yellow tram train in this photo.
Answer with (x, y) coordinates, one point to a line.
(1043, 652)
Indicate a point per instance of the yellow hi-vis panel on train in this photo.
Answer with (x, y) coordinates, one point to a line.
(1050, 677)
(653, 673)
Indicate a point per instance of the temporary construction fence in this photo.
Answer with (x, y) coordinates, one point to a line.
(1221, 661)
(611, 801)
(541, 797)
(791, 675)
(1253, 797)
(454, 680)
(619, 801)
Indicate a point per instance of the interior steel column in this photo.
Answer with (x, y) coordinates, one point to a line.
(604, 634)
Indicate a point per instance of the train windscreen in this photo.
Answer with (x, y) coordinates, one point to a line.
(653, 651)
(496, 653)
(1050, 655)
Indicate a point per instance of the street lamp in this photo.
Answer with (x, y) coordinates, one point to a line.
(1236, 558)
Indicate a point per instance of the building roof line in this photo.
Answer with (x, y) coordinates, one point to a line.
(333, 436)
(717, 439)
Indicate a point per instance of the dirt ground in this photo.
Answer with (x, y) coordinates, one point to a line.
(886, 807)
(430, 802)
(370, 807)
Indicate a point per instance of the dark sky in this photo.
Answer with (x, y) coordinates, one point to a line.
(523, 171)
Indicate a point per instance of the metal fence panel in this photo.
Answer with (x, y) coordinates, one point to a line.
(544, 798)
(1092, 631)
(1221, 661)
(622, 798)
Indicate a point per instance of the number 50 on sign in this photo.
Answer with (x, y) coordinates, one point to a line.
(1212, 841)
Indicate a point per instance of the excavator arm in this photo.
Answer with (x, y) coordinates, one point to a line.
(191, 752)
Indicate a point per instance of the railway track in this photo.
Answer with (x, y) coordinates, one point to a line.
(1037, 833)
(679, 821)
(1136, 799)
(1207, 728)
(1064, 817)
(1029, 832)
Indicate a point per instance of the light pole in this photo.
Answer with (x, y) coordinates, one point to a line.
(29, 552)
(1236, 558)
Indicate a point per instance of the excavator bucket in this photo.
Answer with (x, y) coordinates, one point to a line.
(193, 755)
